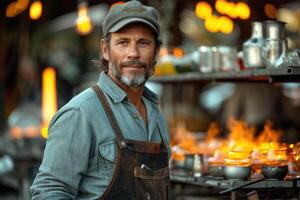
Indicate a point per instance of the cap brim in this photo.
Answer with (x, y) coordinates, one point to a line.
(125, 22)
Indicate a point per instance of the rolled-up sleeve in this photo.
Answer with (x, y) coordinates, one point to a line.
(66, 156)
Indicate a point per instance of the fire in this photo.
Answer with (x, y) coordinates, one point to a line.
(274, 155)
(213, 131)
(237, 155)
(241, 135)
(256, 157)
(242, 147)
(182, 142)
(269, 135)
(184, 139)
(240, 158)
(185, 142)
(217, 159)
(294, 159)
(277, 156)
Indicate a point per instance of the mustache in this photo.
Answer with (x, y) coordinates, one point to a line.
(133, 63)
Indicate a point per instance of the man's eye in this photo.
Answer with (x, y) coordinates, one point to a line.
(145, 43)
(123, 42)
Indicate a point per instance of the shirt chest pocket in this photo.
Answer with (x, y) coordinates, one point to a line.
(107, 159)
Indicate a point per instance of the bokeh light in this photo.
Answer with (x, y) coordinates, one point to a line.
(36, 10)
(243, 10)
(203, 10)
(270, 11)
(225, 24)
(212, 24)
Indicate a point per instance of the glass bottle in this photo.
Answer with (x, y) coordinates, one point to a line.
(252, 48)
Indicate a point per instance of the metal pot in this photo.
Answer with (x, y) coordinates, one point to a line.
(216, 171)
(274, 172)
(195, 163)
(275, 48)
(189, 162)
(237, 172)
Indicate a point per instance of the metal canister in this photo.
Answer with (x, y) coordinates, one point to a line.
(206, 60)
(216, 59)
(275, 30)
(210, 59)
(252, 48)
(275, 48)
(189, 162)
(229, 60)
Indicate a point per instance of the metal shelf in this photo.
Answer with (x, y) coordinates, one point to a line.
(209, 181)
(285, 74)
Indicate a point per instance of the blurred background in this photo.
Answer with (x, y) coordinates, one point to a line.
(49, 49)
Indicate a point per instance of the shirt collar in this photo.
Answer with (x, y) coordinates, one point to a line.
(117, 94)
(111, 88)
(151, 96)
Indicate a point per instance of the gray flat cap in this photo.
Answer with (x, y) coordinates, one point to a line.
(130, 12)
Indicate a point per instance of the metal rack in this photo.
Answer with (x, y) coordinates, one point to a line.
(285, 74)
(225, 186)
(210, 181)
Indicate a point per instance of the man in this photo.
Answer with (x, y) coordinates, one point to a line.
(110, 141)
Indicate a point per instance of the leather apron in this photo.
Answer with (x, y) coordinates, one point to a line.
(141, 171)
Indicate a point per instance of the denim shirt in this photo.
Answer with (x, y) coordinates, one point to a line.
(80, 152)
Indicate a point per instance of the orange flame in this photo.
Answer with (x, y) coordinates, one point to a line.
(241, 147)
(241, 135)
(269, 135)
(217, 159)
(213, 131)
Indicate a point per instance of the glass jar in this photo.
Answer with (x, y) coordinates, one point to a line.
(252, 48)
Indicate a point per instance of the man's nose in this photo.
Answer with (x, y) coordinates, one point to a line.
(133, 51)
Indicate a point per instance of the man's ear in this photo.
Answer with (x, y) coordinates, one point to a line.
(104, 49)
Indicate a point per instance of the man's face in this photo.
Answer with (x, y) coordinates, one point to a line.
(131, 54)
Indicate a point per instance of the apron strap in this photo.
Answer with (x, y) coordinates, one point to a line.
(161, 137)
(101, 97)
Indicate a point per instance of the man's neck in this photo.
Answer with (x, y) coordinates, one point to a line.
(134, 94)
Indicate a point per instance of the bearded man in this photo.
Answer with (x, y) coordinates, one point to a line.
(111, 141)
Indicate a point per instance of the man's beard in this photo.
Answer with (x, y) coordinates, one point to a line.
(133, 80)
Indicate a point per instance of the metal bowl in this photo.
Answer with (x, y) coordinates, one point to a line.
(274, 172)
(216, 171)
(237, 172)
